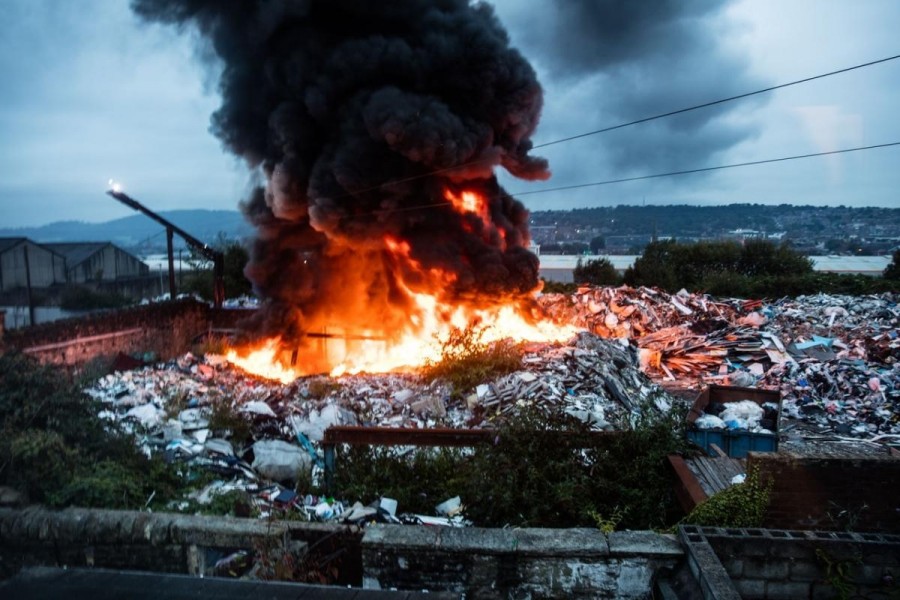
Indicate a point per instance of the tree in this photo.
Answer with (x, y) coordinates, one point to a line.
(598, 272)
(892, 271)
(655, 267)
(760, 257)
(597, 244)
(235, 259)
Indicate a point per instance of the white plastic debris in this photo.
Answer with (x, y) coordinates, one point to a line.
(709, 422)
(257, 407)
(279, 461)
(147, 415)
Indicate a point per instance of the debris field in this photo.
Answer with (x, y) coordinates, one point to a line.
(833, 358)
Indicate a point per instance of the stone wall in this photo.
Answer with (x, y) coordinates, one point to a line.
(830, 493)
(779, 564)
(166, 329)
(516, 563)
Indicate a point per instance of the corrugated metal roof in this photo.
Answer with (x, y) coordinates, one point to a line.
(77, 252)
(11, 242)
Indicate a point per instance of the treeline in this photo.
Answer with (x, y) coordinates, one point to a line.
(756, 268)
(689, 220)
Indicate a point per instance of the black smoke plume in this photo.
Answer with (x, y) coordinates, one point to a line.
(361, 114)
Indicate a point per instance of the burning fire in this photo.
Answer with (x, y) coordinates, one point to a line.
(421, 342)
(347, 349)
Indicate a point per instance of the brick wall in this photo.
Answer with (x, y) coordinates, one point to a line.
(777, 564)
(830, 493)
(165, 329)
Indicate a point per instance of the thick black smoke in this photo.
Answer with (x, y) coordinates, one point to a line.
(634, 59)
(349, 107)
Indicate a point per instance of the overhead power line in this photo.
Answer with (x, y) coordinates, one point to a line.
(715, 102)
(628, 124)
(705, 169)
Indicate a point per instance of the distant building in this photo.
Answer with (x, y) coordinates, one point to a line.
(21, 260)
(88, 262)
(46, 265)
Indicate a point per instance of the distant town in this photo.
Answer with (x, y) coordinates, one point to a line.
(607, 230)
(627, 229)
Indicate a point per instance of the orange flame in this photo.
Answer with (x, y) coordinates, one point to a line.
(425, 327)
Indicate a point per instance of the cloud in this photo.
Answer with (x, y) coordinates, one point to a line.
(630, 60)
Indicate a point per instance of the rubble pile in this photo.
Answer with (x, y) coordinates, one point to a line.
(836, 359)
(176, 408)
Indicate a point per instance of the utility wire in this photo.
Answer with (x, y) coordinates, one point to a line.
(705, 169)
(715, 102)
(630, 123)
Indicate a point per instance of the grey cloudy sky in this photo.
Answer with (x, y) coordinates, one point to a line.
(89, 93)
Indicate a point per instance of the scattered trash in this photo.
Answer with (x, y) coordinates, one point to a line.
(834, 359)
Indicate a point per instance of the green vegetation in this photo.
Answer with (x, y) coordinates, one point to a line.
(466, 360)
(741, 505)
(82, 298)
(533, 474)
(557, 287)
(599, 271)
(200, 280)
(55, 449)
(892, 271)
(754, 269)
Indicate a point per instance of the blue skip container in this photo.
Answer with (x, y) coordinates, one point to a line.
(737, 443)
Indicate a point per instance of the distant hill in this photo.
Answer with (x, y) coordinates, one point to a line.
(138, 231)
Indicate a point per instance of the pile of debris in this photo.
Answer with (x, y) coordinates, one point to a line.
(255, 433)
(836, 359)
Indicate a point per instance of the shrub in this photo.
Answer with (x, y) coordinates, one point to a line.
(466, 360)
(82, 298)
(532, 474)
(598, 271)
(892, 271)
(741, 505)
(54, 448)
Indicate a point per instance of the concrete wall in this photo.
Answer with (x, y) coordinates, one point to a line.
(165, 329)
(45, 267)
(778, 564)
(830, 493)
(113, 539)
(516, 563)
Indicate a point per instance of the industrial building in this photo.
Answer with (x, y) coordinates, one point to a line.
(98, 261)
(25, 263)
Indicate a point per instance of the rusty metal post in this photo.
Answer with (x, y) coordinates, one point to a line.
(170, 234)
(28, 285)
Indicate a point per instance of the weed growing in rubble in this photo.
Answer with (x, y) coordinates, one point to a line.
(467, 360)
(741, 505)
(226, 422)
(533, 473)
(55, 449)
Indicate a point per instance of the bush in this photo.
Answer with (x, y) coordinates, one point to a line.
(598, 271)
(741, 505)
(467, 361)
(892, 271)
(82, 298)
(533, 474)
(55, 449)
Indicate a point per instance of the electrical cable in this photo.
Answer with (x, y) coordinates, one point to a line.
(705, 169)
